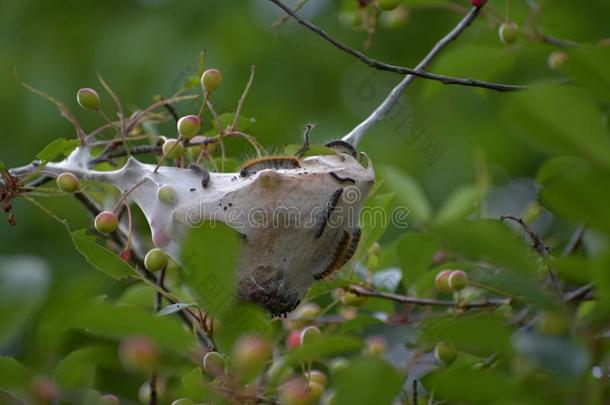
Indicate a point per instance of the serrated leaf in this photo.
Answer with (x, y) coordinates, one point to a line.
(99, 257)
(58, 147)
(173, 308)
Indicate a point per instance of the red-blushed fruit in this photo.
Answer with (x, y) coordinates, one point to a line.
(387, 5)
(68, 182)
(44, 390)
(293, 340)
(188, 126)
(249, 356)
(508, 32)
(167, 195)
(376, 345)
(478, 3)
(106, 222)
(183, 401)
(315, 390)
(155, 260)
(441, 282)
(138, 353)
(445, 352)
(297, 392)
(108, 399)
(211, 79)
(316, 376)
(214, 364)
(310, 334)
(557, 59)
(458, 280)
(88, 98)
(125, 255)
(173, 149)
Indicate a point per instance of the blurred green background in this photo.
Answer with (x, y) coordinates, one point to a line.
(148, 47)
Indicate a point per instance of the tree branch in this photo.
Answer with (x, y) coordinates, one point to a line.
(380, 112)
(393, 68)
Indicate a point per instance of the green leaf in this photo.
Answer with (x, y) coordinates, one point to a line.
(117, 322)
(489, 240)
(460, 204)
(226, 119)
(57, 147)
(12, 374)
(408, 193)
(2, 166)
(416, 252)
(591, 68)
(374, 219)
(560, 120)
(325, 346)
(99, 257)
(368, 381)
(465, 384)
(77, 369)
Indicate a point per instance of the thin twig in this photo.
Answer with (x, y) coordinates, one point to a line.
(384, 108)
(575, 241)
(242, 99)
(393, 68)
(359, 290)
(282, 20)
(537, 242)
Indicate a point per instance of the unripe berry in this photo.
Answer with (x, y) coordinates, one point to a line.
(458, 280)
(557, 59)
(183, 401)
(316, 376)
(173, 149)
(353, 299)
(44, 390)
(214, 364)
(211, 79)
(293, 340)
(188, 126)
(310, 334)
(441, 281)
(167, 195)
(315, 390)
(108, 399)
(88, 98)
(296, 392)
(478, 3)
(68, 182)
(445, 352)
(138, 353)
(155, 260)
(387, 4)
(307, 311)
(350, 19)
(106, 222)
(249, 356)
(508, 32)
(376, 345)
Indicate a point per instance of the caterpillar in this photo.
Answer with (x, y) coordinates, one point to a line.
(330, 207)
(344, 252)
(269, 162)
(205, 175)
(343, 147)
(342, 179)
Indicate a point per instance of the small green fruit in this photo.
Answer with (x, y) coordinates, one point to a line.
(310, 334)
(188, 126)
(183, 401)
(249, 355)
(88, 99)
(557, 59)
(214, 364)
(508, 32)
(445, 352)
(387, 5)
(108, 399)
(307, 311)
(316, 376)
(458, 280)
(68, 182)
(106, 222)
(155, 260)
(211, 79)
(173, 149)
(352, 299)
(395, 19)
(376, 346)
(167, 195)
(315, 390)
(442, 281)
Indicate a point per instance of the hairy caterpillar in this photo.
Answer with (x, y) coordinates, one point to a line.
(343, 253)
(251, 167)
